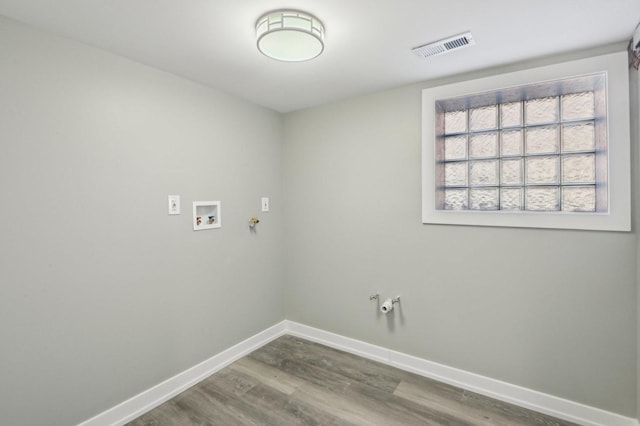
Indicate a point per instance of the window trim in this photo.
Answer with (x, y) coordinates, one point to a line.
(618, 217)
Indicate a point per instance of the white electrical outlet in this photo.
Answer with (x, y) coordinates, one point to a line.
(265, 204)
(174, 204)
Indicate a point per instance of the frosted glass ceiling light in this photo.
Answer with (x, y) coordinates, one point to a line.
(290, 35)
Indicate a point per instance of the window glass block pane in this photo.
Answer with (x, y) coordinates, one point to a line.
(581, 137)
(579, 168)
(455, 122)
(511, 173)
(511, 142)
(541, 110)
(483, 145)
(511, 114)
(455, 174)
(511, 199)
(455, 148)
(579, 199)
(484, 172)
(455, 199)
(578, 106)
(483, 118)
(484, 199)
(542, 140)
(542, 199)
(542, 170)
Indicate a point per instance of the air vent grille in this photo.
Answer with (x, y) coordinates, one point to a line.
(446, 45)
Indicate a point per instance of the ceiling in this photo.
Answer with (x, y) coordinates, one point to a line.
(367, 46)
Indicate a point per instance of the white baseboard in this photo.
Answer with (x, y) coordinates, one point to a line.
(151, 398)
(523, 397)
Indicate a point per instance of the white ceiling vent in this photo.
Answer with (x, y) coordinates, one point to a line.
(445, 45)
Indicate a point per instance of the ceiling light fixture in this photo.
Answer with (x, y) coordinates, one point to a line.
(290, 35)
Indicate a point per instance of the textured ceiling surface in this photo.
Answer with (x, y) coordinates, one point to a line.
(367, 46)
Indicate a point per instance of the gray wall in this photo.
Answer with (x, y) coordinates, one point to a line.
(634, 87)
(102, 294)
(551, 310)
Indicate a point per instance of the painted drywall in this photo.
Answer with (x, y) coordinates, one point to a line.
(634, 87)
(550, 310)
(102, 293)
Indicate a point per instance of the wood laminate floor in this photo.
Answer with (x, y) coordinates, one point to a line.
(291, 381)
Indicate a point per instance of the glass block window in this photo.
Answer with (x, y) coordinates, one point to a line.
(537, 148)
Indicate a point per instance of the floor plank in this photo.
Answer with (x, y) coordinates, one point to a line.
(291, 381)
(269, 376)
